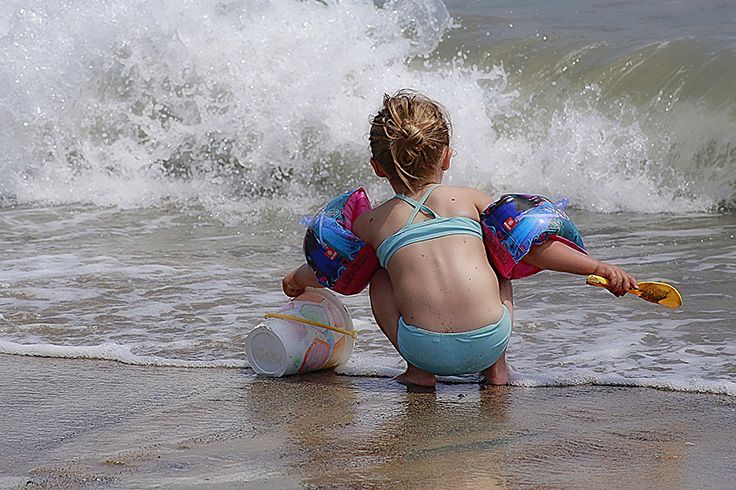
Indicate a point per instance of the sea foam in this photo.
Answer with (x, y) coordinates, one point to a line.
(109, 351)
(370, 365)
(234, 105)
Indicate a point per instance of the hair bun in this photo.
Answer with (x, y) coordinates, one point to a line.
(409, 135)
(412, 133)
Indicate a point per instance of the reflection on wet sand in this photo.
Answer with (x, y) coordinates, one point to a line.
(314, 415)
(341, 433)
(376, 433)
(67, 422)
(447, 439)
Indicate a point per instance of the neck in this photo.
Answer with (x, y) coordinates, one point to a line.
(400, 188)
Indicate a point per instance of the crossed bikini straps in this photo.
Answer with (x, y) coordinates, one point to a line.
(419, 205)
(429, 229)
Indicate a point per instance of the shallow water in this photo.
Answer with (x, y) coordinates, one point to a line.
(175, 288)
(157, 158)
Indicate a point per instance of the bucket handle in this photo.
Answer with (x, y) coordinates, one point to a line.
(281, 316)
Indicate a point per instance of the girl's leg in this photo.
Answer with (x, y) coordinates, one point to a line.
(498, 373)
(387, 317)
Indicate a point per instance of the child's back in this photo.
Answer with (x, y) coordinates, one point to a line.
(440, 283)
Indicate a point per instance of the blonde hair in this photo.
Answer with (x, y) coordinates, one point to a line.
(409, 136)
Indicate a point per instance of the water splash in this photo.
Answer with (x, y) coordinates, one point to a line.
(233, 104)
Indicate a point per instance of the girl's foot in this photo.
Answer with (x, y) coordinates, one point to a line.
(416, 377)
(497, 379)
(498, 374)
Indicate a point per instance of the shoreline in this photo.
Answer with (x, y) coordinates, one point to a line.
(75, 423)
(393, 366)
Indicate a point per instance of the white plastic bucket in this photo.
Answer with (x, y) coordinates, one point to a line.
(280, 347)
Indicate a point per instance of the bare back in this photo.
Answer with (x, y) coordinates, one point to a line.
(443, 284)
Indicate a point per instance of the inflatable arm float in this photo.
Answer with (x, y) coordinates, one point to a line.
(511, 227)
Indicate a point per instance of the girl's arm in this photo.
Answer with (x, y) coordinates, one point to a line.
(297, 280)
(481, 200)
(507, 295)
(557, 256)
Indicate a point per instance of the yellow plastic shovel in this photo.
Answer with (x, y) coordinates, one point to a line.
(652, 291)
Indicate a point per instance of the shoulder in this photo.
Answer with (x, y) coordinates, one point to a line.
(363, 226)
(371, 225)
(478, 198)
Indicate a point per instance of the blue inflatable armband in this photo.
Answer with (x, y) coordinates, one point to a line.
(517, 222)
(341, 260)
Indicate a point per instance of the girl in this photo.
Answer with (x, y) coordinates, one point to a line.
(436, 297)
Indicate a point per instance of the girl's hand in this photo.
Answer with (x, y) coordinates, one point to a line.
(619, 281)
(291, 285)
(295, 282)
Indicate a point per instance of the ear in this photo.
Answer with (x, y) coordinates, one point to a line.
(377, 169)
(446, 159)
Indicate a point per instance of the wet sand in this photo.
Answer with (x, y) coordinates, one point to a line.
(71, 423)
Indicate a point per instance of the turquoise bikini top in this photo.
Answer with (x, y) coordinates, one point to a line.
(425, 230)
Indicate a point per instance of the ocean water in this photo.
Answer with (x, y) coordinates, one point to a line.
(157, 159)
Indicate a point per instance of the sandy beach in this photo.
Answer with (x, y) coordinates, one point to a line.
(72, 423)
(159, 159)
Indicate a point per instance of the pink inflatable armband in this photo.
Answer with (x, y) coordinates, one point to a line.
(342, 261)
(516, 223)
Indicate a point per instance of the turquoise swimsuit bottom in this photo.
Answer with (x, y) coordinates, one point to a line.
(444, 353)
(454, 353)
